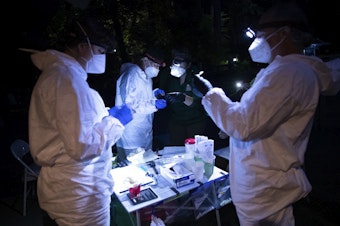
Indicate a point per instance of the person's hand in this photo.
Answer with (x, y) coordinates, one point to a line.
(160, 103)
(175, 97)
(122, 113)
(159, 93)
(200, 85)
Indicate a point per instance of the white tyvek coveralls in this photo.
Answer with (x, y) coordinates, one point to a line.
(269, 130)
(134, 88)
(71, 135)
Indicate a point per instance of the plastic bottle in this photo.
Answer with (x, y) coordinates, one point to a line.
(190, 146)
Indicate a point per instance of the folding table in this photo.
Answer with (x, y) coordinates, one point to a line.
(219, 194)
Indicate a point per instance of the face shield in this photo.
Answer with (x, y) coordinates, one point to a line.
(97, 63)
(91, 29)
(151, 68)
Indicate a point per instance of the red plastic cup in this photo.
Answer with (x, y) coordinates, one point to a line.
(134, 191)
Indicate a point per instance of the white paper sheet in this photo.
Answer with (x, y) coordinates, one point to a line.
(120, 175)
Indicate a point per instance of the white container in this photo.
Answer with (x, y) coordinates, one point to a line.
(206, 148)
(178, 180)
(209, 164)
(190, 147)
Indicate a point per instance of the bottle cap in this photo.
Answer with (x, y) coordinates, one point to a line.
(189, 141)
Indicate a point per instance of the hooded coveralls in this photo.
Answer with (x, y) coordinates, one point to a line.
(134, 88)
(71, 136)
(269, 130)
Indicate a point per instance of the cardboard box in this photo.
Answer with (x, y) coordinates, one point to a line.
(186, 177)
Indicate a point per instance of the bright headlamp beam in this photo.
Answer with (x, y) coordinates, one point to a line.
(239, 84)
(250, 33)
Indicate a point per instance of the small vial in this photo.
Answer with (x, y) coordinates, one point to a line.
(190, 146)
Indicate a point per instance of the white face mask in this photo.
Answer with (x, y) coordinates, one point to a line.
(96, 65)
(260, 50)
(177, 71)
(151, 72)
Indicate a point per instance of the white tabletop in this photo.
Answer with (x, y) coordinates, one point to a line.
(164, 190)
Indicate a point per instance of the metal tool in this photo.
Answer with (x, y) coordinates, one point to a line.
(153, 166)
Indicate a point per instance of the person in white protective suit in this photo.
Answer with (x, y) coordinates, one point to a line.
(269, 127)
(134, 87)
(71, 132)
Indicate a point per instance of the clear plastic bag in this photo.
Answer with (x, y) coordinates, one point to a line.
(156, 221)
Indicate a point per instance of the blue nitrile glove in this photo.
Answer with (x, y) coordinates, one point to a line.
(113, 111)
(175, 97)
(160, 103)
(122, 113)
(159, 93)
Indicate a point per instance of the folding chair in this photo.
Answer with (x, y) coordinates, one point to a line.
(20, 150)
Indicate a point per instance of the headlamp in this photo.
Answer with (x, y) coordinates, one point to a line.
(179, 62)
(250, 33)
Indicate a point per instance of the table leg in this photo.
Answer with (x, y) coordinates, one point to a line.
(138, 218)
(218, 219)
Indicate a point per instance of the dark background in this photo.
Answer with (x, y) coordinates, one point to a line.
(32, 17)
